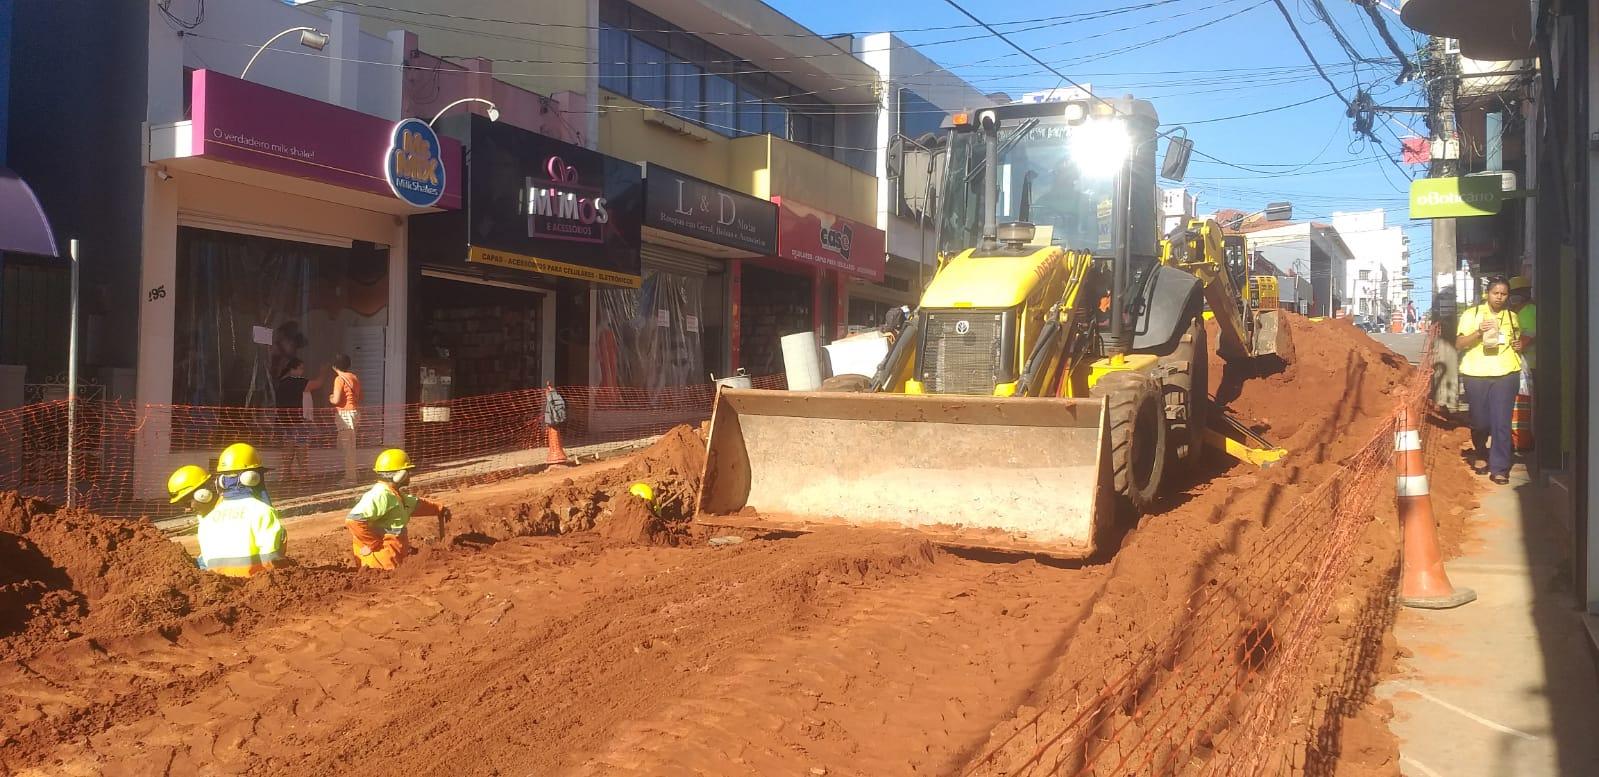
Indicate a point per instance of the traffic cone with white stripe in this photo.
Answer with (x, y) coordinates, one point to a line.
(557, 457)
(1423, 584)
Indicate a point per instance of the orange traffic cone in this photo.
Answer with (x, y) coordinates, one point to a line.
(1423, 584)
(557, 457)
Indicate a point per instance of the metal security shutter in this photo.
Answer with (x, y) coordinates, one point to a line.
(199, 220)
(682, 262)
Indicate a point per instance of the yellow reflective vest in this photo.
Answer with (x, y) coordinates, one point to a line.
(385, 509)
(241, 537)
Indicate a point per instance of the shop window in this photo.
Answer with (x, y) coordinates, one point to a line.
(720, 111)
(647, 73)
(650, 337)
(247, 304)
(751, 113)
(683, 89)
(777, 121)
(613, 59)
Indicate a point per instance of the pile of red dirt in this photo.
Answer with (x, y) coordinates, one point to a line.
(68, 573)
(1329, 383)
(671, 466)
(1223, 568)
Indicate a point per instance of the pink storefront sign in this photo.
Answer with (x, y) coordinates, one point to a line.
(815, 237)
(268, 129)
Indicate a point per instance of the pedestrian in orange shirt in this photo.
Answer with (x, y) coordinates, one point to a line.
(346, 399)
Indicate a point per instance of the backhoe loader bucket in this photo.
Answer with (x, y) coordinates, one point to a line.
(1266, 323)
(1008, 474)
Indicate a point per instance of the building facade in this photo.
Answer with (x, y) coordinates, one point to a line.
(1538, 72)
(736, 101)
(916, 96)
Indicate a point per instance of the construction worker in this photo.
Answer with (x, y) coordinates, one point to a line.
(645, 493)
(1527, 317)
(242, 534)
(192, 485)
(239, 468)
(378, 522)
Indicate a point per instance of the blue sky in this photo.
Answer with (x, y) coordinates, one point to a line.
(1198, 60)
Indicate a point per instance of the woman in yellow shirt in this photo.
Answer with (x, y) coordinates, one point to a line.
(1489, 339)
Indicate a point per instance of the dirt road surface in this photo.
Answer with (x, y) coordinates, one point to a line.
(553, 628)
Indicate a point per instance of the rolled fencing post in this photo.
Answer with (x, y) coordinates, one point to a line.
(1423, 584)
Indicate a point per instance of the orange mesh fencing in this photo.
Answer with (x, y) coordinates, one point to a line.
(1216, 687)
(123, 452)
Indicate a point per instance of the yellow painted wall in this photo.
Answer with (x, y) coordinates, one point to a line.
(556, 48)
(758, 165)
(626, 132)
(815, 180)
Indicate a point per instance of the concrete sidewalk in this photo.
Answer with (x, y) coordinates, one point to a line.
(1504, 686)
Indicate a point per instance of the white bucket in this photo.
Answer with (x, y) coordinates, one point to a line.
(739, 381)
(802, 361)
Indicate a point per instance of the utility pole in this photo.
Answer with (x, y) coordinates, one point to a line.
(1442, 83)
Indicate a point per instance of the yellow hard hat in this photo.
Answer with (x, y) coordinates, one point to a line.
(1520, 282)
(185, 481)
(392, 460)
(642, 491)
(238, 457)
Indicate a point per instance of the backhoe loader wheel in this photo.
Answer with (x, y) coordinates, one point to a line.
(1137, 437)
(1187, 393)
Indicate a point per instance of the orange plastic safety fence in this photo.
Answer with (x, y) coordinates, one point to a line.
(123, 452)
(1216, 687)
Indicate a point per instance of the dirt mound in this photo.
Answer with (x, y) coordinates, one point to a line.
(671, 466)
(630, 520)
(70, 572)
(1331, 387)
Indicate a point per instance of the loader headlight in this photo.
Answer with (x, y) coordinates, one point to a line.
(1075, 113)
(1099, 147)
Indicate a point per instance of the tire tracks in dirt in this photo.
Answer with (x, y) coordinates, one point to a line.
(550, 655)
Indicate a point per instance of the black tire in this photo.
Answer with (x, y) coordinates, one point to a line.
(1187, 393)
(1137, 438)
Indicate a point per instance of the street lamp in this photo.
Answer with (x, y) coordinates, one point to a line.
(310, 37)
(494, 110)
(1277, 211)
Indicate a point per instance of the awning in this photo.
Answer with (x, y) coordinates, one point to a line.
(1492, 30)
(23, 225)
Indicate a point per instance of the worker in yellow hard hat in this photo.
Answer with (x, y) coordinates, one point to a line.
(242, 535)
(239, 469)
(378, 521)
(645, 492)
(192, 487)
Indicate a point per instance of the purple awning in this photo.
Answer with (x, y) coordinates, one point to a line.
(23, 226)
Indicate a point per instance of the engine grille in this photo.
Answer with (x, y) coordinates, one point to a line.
(961, 352)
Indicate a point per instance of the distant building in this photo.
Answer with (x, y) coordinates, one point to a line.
(1313, 251)
(1376, 274)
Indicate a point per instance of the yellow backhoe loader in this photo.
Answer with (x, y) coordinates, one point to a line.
(1053, 377)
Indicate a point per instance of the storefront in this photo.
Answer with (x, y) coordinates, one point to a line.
(506, 288)
(805, 286)
(672, 331)
(275, 230)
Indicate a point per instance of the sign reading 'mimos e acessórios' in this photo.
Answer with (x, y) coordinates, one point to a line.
(542, 205)
(1442, 198)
